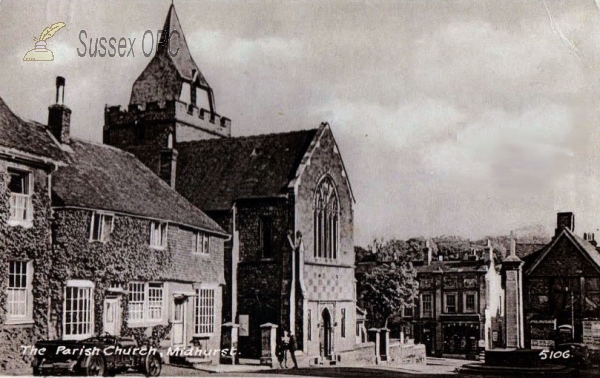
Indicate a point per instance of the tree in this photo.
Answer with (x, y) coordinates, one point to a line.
(389, 287)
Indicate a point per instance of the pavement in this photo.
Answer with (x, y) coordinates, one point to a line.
(435, 367)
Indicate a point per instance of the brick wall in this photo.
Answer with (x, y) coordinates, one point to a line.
(262, 293)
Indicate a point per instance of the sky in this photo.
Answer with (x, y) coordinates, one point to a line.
(466, 118)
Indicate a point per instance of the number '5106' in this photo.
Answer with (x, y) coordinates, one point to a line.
(554, 355)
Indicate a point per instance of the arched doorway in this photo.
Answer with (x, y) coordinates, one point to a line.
(326, 334)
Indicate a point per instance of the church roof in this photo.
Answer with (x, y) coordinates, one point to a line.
(214, 173)
(94, 178)
(28, 137)
(173, 63)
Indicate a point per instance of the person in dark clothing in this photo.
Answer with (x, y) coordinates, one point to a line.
(282, 348)
(292, 348)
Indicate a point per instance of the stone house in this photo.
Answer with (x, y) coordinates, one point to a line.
(285, 198)
(459, 310)
(116, 249)
(561, 288)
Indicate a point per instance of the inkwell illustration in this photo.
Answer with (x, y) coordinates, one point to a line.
(40, 52)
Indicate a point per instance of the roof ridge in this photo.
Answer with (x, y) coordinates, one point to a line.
(100, 144)
(247, 137)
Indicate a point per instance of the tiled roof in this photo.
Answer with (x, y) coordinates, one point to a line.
(28, 137)
(213, 173)
(161, 79)
(106, 178)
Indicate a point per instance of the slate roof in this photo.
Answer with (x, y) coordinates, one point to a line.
(213, 173)
(161, 79)
(588, 249)
(454, 266)
(24, 136)
(106, 178)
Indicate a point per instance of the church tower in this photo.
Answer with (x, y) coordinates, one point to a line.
(170, 102)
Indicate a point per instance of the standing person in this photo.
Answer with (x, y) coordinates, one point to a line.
(280, 352)
(292, 348)
(283, 346)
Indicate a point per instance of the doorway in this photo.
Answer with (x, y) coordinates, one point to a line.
(326, 335)
(112, 315)
(179, 321)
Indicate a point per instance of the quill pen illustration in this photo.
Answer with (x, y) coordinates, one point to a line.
(50, 31)
(40, 52)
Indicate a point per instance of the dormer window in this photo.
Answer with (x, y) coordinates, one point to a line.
(158, 235)
(20, 185)
(101, 227)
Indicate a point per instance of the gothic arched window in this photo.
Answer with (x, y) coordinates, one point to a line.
(326, 220)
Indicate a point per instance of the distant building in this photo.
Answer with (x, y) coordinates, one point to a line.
(285, 198)
(562, 288)
(459, 310)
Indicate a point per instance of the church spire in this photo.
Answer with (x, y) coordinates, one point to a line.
(170, 68)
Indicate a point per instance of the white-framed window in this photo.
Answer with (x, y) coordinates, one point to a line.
(427, 305)
(201, 243)
(78, 310)
(407, 311)
(470, 302)
(158, 235)
(326, 220)
(145, 302)
(204, 311)
(19, 300)
(101, 226)
(20, 185)
(450, 303)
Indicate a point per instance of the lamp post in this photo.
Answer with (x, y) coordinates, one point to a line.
(572, 313)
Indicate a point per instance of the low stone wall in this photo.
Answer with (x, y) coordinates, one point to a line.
(364, 353)
(402, 354)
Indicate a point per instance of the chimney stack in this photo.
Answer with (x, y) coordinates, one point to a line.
(428, 251)
(168, 163)
(59, 116)
(590, 238)
(565, 220)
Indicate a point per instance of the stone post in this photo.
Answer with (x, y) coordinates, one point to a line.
(230, 341)
(377, 344)
(268, 344)
(385, 348)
